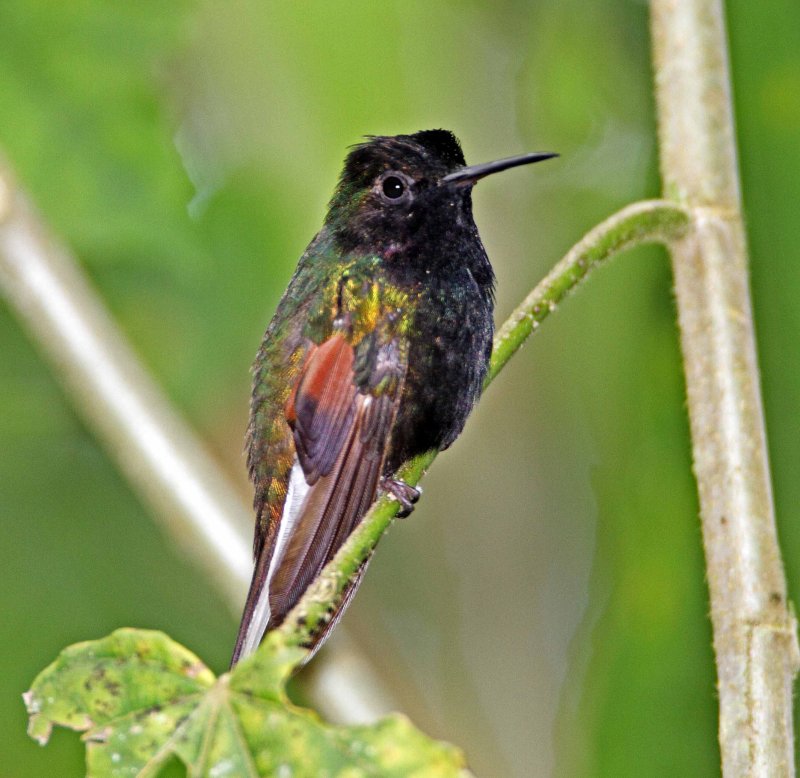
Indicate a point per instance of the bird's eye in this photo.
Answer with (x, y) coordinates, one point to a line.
(393, 187)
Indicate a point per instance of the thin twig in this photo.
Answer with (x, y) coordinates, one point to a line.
(650, 221)
(755, 638)
(163, 459)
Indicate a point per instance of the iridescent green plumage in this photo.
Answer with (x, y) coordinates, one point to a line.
(323, 287)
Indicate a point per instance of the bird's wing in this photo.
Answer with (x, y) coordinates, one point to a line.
(341, 414)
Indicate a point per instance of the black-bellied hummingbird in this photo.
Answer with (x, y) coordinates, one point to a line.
(377, 353)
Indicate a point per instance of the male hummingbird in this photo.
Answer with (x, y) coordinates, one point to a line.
(377, 352)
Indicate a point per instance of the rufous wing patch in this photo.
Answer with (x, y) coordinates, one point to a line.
(320, 409)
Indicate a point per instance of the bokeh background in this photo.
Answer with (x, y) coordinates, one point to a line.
(545, 607)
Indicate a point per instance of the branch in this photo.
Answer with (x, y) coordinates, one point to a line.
(755, 637)
(162, 458)
(650, 221)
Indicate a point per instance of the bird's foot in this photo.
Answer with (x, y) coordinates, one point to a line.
(406, 495)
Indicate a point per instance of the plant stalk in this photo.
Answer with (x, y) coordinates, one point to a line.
(755, 637)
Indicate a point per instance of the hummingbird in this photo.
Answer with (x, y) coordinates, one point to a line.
(377, 353)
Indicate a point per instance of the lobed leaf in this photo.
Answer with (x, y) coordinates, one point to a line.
(140, 698)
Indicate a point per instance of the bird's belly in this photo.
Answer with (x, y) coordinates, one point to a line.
(446, 368)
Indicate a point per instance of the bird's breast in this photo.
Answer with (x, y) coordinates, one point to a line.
(449, 348)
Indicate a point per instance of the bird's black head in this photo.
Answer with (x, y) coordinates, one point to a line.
(405, 191)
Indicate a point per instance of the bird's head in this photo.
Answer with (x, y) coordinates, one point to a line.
(399, 190)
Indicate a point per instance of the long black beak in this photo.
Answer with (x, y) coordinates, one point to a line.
(471, 174)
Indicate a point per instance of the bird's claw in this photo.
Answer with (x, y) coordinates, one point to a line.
(406, 495)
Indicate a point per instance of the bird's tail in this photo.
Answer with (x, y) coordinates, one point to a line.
(255, 624)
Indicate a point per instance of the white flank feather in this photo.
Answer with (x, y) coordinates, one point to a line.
(295, 496)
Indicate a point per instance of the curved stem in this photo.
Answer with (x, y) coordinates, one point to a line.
(649, 221)
(755, 637)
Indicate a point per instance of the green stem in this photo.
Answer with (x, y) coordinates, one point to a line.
(650, 221)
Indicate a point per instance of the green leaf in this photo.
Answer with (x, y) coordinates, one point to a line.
(141, 698)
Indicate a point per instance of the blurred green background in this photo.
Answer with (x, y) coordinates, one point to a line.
(545, 607)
